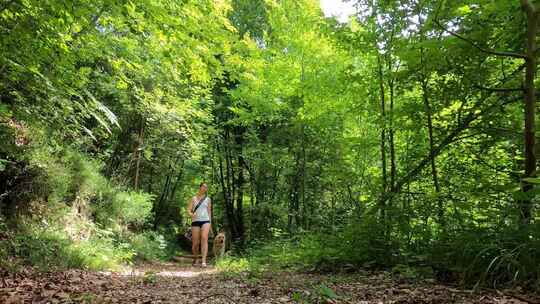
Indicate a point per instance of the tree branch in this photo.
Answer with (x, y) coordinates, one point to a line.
(482, 49)
(498, 89)
(448, 140)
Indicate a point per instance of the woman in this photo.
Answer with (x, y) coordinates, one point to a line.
(200, 210)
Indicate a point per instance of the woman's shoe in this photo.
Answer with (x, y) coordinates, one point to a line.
(203, 265)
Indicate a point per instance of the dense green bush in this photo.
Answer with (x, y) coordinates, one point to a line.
(483, 256)
(120, 209)
(50, 248)
(77, 219)
(148, 245)
(68, 174)
(133, 208)
(475, 257)
(265, 218)
(71, 176)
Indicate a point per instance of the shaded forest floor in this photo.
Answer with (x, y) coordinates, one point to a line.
(179, 283)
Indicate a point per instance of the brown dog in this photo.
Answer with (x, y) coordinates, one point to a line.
(218, 248)
(219, 245)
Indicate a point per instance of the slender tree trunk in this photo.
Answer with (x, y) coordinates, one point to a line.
(276, 175)
(176, 183)
(407, 201)
(300, 219)
(393, 170)
(427, 108)
(302, 169)
(151, 181)
(138, 149)
(157, 206)
(230, 169)
(240, 181)
(391, 86)
(391, 143)
(240, 202)
(252, 194)
(529, 104)
(163, 198)
(226, 195)
(295, 193)
(383, 139)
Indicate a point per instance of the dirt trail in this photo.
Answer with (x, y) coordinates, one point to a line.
(176, 283)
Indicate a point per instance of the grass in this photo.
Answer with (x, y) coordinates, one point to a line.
(276, 256)
(72, 241)
(472, 259)
(49, 249)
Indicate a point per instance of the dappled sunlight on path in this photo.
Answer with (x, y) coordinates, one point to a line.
(165, 269)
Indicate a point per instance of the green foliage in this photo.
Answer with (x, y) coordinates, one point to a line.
(266, 220)
(149, 277)
(68, 174)
(279, 255)
(50, 248)
(477, 257)
(124, 208)
(233, 265)
(319, 293)
(493, 258)
(327, 292)
(148, 245)
(57, 231)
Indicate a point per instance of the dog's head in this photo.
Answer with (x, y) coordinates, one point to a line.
(220, 238)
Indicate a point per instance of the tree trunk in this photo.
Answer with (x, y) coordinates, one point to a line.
(432, 156)
(393, 170)
(294, 196)
(163, 198)
(138, 149)
(230, 169)
(240, 181)
(383, 139)
(391, 86)
(299, 219)
(176, 183)
(231, 223)
(529, 105)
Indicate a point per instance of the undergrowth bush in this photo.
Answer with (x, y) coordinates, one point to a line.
(68, 174)
(50, 248)
(149, 245)
(360, 245)
(72, 177)
(480, 257)
(132, 208)
(78, 219)
(485, 257)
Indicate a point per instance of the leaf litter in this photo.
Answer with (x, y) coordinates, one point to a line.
(176, 283)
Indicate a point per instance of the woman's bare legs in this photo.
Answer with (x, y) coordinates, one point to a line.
(204, 242)
(195, 242)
